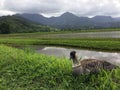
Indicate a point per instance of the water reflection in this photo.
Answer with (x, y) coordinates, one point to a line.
(84, 54)
(112, 34)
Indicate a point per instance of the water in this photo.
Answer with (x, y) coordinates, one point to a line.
(84, 54)
(112, 34)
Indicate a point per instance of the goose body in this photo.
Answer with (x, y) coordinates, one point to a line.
(89, 65)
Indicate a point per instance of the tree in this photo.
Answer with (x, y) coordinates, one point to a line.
(5, 28)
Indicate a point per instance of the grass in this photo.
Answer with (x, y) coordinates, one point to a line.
(67, 39)
(49, 34)
(20, 69)
(24, 70)
(91, 44)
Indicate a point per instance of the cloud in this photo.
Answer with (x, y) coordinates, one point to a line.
(6, 12)
(94, 7)
(36, 6)
(56, 7)
(1, 4)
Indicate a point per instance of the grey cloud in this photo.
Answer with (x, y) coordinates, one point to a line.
(78, 7)
(30, 6)
(96, 7)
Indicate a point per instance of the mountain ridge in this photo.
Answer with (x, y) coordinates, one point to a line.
(69, 20)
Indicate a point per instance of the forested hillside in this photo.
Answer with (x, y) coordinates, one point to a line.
(15, 24)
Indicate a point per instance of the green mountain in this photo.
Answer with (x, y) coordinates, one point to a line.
(16, 24)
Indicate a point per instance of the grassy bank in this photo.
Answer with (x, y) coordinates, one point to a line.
(68, 39)
(91, 44)
(24, 70)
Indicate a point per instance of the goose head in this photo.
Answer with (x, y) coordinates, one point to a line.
(74, 58)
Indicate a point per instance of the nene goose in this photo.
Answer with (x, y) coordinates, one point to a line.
(89, 65)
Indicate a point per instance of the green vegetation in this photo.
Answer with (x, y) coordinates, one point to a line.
(24, 70)
(62, 39)
(15, 24)
(92, 44)
(5, 28)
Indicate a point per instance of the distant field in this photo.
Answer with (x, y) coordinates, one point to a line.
(82, 34)
(64, 39)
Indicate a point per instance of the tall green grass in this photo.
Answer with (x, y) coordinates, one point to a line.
(92, 44)
(24, 70)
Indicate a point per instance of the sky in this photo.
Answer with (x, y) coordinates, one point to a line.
(57, 7)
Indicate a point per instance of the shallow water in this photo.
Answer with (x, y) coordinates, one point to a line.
(84, 54)
(112, 34)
